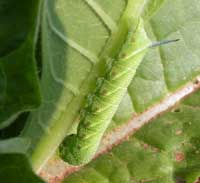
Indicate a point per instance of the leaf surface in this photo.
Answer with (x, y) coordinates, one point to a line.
(15, 166)
(19, 87)
(165, 150)
(165, 69)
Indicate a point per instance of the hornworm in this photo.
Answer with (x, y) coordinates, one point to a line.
(103, 102)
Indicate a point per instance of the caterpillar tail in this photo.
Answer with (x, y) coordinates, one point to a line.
(102, 104)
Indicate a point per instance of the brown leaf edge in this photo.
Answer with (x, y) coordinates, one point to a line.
(56, 170)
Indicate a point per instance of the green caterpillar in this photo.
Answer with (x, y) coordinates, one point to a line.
(103, 102)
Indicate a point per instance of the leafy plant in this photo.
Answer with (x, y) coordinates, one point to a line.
(166, 150)
(52, 56)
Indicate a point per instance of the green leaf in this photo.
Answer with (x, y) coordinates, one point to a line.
(14, 145)
(167, 68)
(165, 150)
(15, 128)
(76, 34)
(19, 89)
(15, 165)
(15, 168)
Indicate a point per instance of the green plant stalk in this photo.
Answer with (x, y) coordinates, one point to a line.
(43, 148)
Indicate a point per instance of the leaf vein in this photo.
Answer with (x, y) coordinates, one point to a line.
(161, 60)
(86, 53)
(108, 21)
(69, 86)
